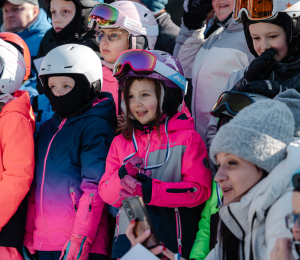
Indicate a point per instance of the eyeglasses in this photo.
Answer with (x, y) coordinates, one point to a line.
(144, 61)
(231, 101)
(291, 220)
(111, 36)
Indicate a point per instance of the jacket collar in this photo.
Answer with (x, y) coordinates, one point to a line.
(231, 25)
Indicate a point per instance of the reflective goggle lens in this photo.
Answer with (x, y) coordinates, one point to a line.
(104, 15)
(138, 60)
(291, 220)
(232, 102)
(256, 9)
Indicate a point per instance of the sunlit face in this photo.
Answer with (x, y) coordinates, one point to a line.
(62, 13)
(296, 210)
(112, 43)
(222, 8)
(61, 86)
(18, 17)
(266, 36)
(142, 100)
(235, 176)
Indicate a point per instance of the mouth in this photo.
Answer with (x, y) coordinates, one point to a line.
(57, 29)
(223, 6)
(226, 190)
(141, 113)
(105, 51)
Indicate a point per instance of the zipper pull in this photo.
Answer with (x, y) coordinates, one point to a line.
(179, 242)
(90, 201)
(72, 192)
(147, 146)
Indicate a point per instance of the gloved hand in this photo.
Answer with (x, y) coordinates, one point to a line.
(195, 13)
(132, 167)
(76, 248)
(268, 88)
(262, 67)
(132, 187)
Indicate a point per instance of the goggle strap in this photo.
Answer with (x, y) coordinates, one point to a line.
(172, 75)
(133, 25)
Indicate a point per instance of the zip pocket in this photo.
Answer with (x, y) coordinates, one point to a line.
(188, 191)
(73, 198)
(178, 229)
(88, 206)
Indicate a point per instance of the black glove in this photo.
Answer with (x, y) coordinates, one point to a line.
(262, 67)
(146, 187)
(268, 88)
(195, 13)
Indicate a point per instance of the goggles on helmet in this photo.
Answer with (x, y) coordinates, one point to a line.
(142, 61)
(104, 15)
(264, 9)
(231, 101)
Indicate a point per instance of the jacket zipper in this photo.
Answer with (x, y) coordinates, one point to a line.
(43, 179)
(148, 148)
(88, 207)
(188, 191)
(73, 197)
(178, 229)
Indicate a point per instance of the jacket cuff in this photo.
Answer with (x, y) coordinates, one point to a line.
(146, 187)
(122, 172)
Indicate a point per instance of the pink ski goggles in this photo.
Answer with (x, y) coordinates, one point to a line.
(103, 15)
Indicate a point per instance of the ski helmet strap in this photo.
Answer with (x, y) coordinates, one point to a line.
(136, 150)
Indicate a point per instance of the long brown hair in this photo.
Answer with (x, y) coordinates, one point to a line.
(128, 127)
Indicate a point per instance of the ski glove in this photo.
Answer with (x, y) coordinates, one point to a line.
(131, 187)
(76, 248)
(146, 187)
(268, 88)
(261, 67)
(195, 13)
(132, 167)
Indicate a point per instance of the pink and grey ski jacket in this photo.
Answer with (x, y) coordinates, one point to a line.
(175, 192)
(70, 161)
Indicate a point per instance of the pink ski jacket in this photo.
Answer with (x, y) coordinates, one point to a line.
(183, 181)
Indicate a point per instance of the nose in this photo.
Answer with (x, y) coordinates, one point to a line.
(59, 92)
(137, 102)
(104, 40)
(10, 13)
(265, 44)
(221, 175)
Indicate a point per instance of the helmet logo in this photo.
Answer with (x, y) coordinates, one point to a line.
(179, 79)
(48, 67)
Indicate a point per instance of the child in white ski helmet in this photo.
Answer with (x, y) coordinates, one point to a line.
(67, 219)
(121, 26)
(161, 142)
(17, 124)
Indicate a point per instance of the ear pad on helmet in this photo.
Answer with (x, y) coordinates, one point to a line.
(138, 42)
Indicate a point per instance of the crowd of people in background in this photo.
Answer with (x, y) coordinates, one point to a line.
(102, 101)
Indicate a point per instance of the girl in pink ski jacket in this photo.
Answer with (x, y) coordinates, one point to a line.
(161, 143)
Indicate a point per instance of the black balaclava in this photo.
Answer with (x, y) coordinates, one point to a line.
(73, 102)
(76, 28)
(283, 20)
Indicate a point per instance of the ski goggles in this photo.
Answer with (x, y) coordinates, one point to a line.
(142, 61)
(291, 220)
(231, 101)
(110, 17)
(263, 9)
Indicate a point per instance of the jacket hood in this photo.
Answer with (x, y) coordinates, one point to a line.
(263, 195)
(21, 104)
(104, 107)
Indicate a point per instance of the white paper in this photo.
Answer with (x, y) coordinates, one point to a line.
(37, 63)
(139, 252)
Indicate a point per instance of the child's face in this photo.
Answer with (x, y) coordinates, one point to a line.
(296, 210)
(62, 13)
(266, 36)
(61, 86)
(223, 8)
(142, 100)
(112, 43)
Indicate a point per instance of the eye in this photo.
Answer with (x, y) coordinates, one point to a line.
(273, 36)
(255, 38)
(130, 96)
(145, 95)
(232, 163)
(67, 86)
(113, 36)
(52, 87)
(53, 12)
(66, 11)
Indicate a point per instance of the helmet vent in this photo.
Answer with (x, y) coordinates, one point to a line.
(145, 14)
(71, 48)
(68, 67)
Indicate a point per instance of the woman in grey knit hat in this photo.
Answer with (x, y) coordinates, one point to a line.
(257, 155)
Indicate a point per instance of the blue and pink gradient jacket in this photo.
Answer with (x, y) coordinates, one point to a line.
(70, 161)
(174, 194)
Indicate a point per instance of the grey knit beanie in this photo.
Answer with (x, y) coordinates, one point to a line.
(291, 98)
(259, 134)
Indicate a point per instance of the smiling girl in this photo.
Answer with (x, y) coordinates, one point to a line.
(161, 143)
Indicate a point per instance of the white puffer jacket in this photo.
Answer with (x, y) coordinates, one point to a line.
(260, 215)
(209, 63)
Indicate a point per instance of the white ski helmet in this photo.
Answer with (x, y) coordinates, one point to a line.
(12, 68)
(132, 17)
(72, 59)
